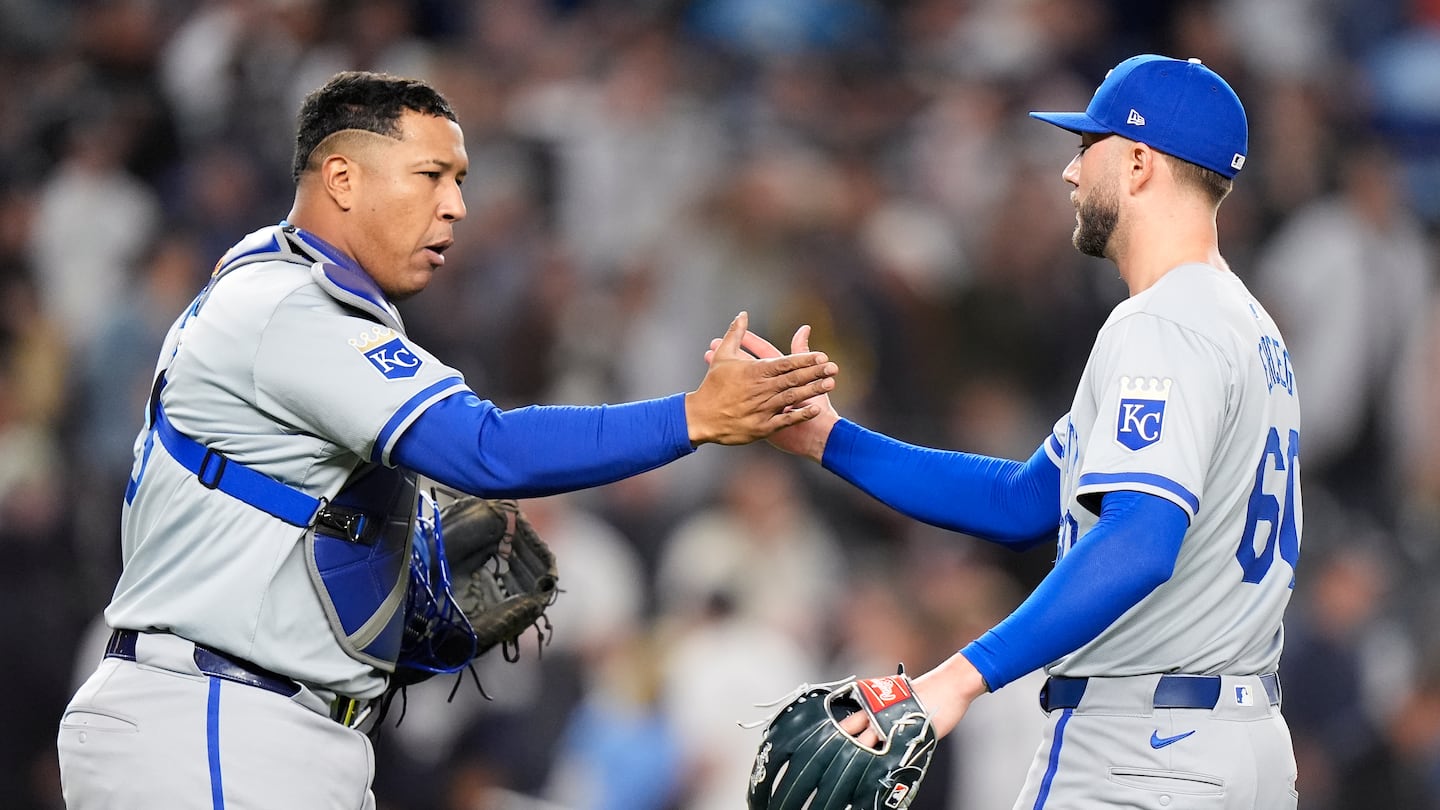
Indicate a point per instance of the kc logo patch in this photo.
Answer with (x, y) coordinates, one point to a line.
(1141, 418)
(388, 353)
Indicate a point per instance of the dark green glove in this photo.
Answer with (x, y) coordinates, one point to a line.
(827, 769)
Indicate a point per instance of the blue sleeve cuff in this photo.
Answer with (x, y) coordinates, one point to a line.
(839, 447)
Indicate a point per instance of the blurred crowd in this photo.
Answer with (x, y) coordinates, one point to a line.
(641, 170)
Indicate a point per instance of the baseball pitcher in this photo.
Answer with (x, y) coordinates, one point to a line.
(1172, 490)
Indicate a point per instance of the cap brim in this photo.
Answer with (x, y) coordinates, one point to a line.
(1073, 121)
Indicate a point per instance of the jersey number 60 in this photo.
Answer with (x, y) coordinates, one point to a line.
(1265, 507)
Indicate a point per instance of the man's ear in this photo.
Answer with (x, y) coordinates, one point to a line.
(1140, 166)
(338, 175)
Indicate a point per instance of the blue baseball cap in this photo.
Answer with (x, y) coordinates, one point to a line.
(1177, 106)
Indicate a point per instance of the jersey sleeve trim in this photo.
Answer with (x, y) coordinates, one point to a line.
(1141, 482)
(1055, 450)
(406, 414)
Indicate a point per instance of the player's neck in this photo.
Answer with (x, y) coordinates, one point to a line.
(1157, 247)
(310, 218)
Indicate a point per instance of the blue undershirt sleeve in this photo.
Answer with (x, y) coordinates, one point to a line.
(1129, 552)
(472, 445)
(996, 499)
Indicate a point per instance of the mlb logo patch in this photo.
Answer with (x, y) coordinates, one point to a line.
(388, 353)
(1243, 697)
(1141, 418)
(902, 783)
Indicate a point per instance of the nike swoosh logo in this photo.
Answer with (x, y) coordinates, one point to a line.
(1156, 741)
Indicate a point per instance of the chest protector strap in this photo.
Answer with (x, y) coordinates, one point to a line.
(215, 471)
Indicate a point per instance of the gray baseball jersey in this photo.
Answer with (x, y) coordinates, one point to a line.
(256, 375)
(1189, 395)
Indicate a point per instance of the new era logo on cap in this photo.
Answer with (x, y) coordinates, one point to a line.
(1190, 112)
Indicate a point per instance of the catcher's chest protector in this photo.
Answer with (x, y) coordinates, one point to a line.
(358, 543)
(358, 552)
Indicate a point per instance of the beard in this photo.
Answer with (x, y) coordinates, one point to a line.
(1097, 219)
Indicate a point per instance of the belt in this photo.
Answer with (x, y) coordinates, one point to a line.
(1172, 692)
(216, 664)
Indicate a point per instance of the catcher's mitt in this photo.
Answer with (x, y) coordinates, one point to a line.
(503, 575)
(807, 761)
(479, 578)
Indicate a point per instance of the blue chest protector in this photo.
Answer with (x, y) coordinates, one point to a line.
(359, 540)
(359, 556)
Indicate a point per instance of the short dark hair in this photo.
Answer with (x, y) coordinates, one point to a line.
(1212, 184)
(358, 99)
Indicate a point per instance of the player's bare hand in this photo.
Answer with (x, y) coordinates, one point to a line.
(806, 438)
(858, 725)
(743, 398)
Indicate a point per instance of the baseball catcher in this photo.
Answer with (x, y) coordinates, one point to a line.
(480, 576)
(806, 760)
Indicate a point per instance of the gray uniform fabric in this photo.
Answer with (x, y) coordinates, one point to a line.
(1116, 750)
(308, 760)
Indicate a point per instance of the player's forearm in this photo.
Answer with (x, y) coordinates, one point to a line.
(1129, 553)
(997, 499)
(470, 444)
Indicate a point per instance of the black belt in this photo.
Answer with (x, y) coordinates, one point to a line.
(1173, 691)
(222, 665)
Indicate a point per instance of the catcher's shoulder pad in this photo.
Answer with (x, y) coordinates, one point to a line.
(806, 760)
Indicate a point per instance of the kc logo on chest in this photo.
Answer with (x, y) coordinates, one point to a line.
(1141, 418)
(387, 352)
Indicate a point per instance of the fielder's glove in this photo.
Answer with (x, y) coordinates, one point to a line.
(502, 573)
(826, 769)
